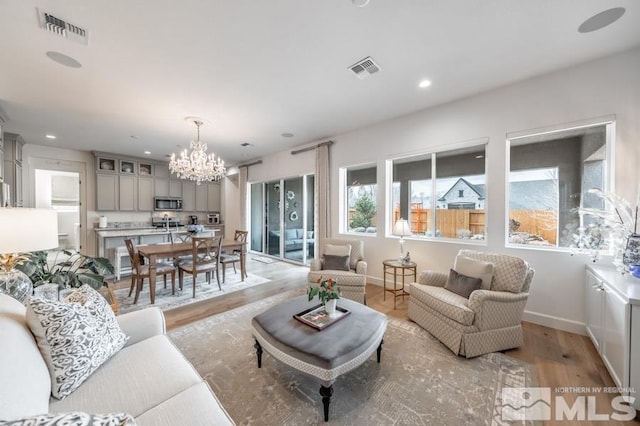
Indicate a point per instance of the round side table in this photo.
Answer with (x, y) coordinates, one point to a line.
(397, 269)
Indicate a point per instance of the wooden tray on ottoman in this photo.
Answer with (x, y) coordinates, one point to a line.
(318, 318)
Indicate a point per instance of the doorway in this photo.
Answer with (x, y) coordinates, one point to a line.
(60, 191)
(282, 218)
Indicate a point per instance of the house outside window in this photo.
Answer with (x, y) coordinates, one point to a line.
(452, 204)
(360, 187)
(549, 178)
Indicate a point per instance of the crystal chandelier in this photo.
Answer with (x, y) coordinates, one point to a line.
(197, 165)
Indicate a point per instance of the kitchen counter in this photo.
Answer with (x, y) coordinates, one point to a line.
(112, 237)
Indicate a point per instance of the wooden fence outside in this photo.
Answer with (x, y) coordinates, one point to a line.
(450, 222)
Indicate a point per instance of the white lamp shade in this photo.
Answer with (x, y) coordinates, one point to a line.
(25, 230)
(402, 228)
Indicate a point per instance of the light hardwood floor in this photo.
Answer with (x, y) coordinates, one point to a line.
(562, 359)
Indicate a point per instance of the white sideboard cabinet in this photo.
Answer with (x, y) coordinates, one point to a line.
(612, 306)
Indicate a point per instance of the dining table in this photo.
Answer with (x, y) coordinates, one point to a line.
(153, 252)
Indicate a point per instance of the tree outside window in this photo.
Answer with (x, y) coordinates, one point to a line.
(360, 192)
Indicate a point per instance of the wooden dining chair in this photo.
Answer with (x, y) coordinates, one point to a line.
(180, 237)
(233, 257)
(205, 258)
(139, 271)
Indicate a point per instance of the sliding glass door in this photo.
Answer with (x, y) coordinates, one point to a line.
(282, 218)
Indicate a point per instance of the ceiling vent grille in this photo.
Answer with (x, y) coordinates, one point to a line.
(63, 28)
(364, 68)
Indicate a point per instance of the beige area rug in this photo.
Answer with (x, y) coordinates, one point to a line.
(418, 382)
(165, 300)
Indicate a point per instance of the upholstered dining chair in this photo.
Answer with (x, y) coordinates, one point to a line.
(233, 257)
(343, 260)
(205, 257)
(139, 271)
(477, 307)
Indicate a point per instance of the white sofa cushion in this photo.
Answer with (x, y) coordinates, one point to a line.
(25, 386)
(75, 419)
(196, 406)
(136, 379)
(337, 250)
(475, 268)
(75, 337)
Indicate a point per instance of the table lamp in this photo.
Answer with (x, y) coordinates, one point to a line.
(23, 230)
(402, 229)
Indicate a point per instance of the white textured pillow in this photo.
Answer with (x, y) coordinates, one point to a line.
(475, 268)
(75, 337)
(75, 419)
(337, 250)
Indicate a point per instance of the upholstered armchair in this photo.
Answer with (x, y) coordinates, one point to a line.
(489, 320)
(350, 273)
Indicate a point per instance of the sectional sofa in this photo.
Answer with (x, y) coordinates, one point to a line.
(149, 378)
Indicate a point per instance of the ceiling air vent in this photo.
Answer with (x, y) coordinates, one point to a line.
(364, 68)
(63, 28)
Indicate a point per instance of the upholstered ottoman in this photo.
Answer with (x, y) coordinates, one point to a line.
(325, 354)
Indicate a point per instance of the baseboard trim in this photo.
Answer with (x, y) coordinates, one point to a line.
(555, 322)
(550, 321)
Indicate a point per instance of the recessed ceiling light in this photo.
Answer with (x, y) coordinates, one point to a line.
(360, 3)
(147, 152)
(287, 135)
(50, 136)
(424, 83)
(601, 20)
(480, 156)
(63, 59)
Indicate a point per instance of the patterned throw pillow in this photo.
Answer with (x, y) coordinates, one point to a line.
(462, 284)
(75, 419)
(75, 337)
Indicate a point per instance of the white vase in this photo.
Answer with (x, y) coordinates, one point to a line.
(330, 306)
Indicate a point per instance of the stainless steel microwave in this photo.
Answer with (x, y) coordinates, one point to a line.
(167, 203)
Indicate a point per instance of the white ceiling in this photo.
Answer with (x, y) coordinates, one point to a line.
(256, 69)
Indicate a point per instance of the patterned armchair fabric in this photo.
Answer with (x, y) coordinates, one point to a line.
(352, 283)
(489, 321)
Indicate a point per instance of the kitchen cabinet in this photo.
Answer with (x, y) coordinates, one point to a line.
(127, 192)
(146, 191)
(11, 169)
(175, 188)
(201, 197)
(136, 181)
(612, 309)
(161, 188)
(162, 171)
(213, 197)
(106, 190)
(188, 196)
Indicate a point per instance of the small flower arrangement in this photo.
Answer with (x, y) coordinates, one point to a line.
(327, 289)
(195, 229)
(621, 226)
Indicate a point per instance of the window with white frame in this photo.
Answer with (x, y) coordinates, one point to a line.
(550, 175)
(360, 198)
(449, 206)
